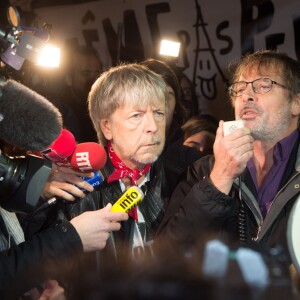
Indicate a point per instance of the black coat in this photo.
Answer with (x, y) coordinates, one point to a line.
(28, 264)
(165, 173)
(198, 210)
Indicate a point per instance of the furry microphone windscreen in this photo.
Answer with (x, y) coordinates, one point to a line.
(27, 120)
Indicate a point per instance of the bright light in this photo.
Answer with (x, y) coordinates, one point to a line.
(169, 48)
(49, 56)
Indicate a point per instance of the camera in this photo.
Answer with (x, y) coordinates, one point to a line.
(21, 182)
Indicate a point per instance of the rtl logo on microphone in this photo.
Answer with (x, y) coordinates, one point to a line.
(83, 161)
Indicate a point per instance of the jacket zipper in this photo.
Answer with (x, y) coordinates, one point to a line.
(281, 190)
(260, 225)
(258, 232)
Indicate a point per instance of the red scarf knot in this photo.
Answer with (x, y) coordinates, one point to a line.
(122, 171)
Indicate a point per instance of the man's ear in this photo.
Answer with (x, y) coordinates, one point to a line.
(296, 105)
(106, 129)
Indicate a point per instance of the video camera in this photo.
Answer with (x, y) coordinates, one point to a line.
(25, 119)
(20, 43)
(21, 182)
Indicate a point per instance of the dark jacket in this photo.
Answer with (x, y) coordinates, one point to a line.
(28, 264)
(198, 209)
(165, 173)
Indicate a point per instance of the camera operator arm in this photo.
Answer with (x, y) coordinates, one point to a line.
(30, 263)
(46, 254)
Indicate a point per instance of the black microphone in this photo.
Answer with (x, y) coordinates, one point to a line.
(27, 120)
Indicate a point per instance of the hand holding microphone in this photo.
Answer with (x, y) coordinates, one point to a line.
(94, 227)
(63, 179)
(84, 157)
(130, 199)
(67, 182)
(88, 157)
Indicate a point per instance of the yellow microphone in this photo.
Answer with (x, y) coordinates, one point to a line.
(131, 198)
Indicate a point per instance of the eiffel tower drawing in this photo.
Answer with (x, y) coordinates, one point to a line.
(207, 85)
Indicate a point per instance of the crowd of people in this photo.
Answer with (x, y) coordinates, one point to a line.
(198, 185)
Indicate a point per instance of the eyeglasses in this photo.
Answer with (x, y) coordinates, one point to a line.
(259, 86)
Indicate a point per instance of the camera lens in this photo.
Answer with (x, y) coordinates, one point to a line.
(12, 173)
(21, 181)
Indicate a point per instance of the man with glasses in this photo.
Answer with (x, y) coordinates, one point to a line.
(246, 190)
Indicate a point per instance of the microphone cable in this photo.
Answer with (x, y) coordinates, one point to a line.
(45, 205)
(242, 226)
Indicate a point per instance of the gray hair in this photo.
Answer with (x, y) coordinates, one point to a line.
(285, 66)
(123, 84)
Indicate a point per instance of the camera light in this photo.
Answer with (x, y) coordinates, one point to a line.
(169, 48)
(49, 56)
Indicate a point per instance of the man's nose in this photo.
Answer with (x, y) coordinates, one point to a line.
(150, 123)
(249, 94)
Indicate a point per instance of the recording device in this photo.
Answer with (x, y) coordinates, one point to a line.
(21, 42)
(9, 34)
(27, 120)
(130, 199)
(97, 179)
(231, 126)
(88, 157)
(21, 182)
(61, 149)
(84, 157)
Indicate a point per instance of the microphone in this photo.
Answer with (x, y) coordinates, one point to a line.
(88, 157)
(27, 120)
(130, 199)
(84, 157)
(61, 149)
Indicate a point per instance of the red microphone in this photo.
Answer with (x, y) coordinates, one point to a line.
(88, 157)
(61, 149)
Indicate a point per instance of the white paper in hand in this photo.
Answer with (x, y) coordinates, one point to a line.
(231, 126)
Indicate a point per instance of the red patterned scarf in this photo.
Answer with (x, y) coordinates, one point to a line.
(122, 171)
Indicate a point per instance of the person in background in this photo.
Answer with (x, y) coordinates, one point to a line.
(83, 68)
(177, 113)
(200, 134)
(174, 149)
(188, 92)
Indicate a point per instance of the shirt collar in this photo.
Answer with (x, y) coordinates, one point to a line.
(284, 147)
(282, 150)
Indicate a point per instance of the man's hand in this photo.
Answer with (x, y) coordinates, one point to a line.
(51, 291)
(94, 227)
(65, 183)
(232, 153)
